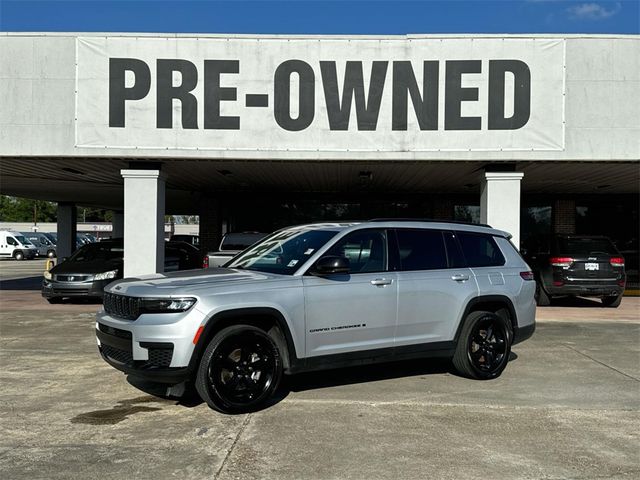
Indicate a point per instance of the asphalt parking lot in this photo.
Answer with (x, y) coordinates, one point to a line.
(567, 407)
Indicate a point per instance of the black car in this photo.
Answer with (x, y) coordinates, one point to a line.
(93, 266)
(576, 265)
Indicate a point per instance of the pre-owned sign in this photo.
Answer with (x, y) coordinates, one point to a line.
(323, 94)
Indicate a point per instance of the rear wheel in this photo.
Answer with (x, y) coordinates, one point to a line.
(240, 369)
(612, 301)
(483, 347)
(18, 255)
(542, 297)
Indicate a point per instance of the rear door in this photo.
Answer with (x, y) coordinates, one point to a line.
(356, 311)
(434, 285)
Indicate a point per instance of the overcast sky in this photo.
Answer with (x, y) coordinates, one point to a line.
(329, 16)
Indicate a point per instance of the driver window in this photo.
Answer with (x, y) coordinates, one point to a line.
(366, 251)
(11, 241)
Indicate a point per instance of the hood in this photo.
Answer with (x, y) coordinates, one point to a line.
(165, 283)
(94, 266)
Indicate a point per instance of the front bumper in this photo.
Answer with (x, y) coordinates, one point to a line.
(116, 348)
(54, 288)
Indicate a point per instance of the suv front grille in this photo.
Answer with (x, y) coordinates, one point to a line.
(121, 306)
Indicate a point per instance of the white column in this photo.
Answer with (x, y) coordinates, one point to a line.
(117, 225)
(500, 202)
(66, 219)
(143, 222)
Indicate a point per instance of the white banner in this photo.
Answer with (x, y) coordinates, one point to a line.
(320, 94)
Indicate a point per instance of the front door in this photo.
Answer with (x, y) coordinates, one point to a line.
(355, 311)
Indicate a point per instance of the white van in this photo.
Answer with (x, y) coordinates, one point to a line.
(15, 245)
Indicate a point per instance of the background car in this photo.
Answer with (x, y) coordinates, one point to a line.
(231, 245)
(92, 267)
(192, 239)
(576, 265)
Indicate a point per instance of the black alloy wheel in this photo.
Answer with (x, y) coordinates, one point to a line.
(484, 346)
(240, 369)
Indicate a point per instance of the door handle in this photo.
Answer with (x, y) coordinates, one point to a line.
(460, 277)
(381, 281)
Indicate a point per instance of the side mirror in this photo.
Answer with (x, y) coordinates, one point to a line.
(330, 264)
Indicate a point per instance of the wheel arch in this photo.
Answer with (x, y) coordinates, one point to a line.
(501, 305)
(265, 318)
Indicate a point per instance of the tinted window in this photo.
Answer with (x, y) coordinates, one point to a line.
(480, 250)
(454, 254)
(586, 246)
(366, 251)
(98, 252)
(421, 250)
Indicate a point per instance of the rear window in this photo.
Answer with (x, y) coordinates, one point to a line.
(421, 250)
(240, 241)
(586, 246)
(480, 250)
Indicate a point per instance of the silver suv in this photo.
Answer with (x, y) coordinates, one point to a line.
(323, 296)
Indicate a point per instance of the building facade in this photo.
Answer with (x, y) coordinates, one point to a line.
(531, 134)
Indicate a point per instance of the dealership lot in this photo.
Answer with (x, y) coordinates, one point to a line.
(566, 407)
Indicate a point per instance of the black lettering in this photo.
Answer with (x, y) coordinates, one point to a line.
(521, 94)
(366, 112)
(214, 94)
(166, 92)
(119, 93)
(282, 95)
(455, 95)
(405, 85)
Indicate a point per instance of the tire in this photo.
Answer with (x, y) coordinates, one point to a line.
(54, 300)
(612, 301)
(18, 255)
(542, 297)
(228, 379)
(51, 254)
(478, 357)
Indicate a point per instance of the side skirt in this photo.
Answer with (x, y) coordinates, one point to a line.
(368, 357)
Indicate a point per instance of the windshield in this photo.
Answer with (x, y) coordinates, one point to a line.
(51, 237)
(284, 251)
(22, 239)
(98, 251)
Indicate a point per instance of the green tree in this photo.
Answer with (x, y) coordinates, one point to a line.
(16, 209)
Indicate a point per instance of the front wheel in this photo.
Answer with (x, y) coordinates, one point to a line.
(483, 347)
(240, 370)
(51, 253)
(18, 255)
(612, 301)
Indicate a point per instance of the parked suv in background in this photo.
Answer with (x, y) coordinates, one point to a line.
(323, 296)
(576, 265)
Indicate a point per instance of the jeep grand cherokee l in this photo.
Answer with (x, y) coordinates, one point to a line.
(323, 296)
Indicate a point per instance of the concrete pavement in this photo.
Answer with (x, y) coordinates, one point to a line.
(567, 407)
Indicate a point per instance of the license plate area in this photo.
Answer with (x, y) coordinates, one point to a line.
(591, 266)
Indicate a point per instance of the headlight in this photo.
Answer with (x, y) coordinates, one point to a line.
(106, 275)
(166, 305)
(47, 275)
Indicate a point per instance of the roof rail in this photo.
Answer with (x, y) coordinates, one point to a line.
(429, 220)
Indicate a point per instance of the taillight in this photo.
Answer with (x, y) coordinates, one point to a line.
(621, 282)
(617, 261)
(205, 261)
(558, 283)
(564, 262)
(526, 275)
